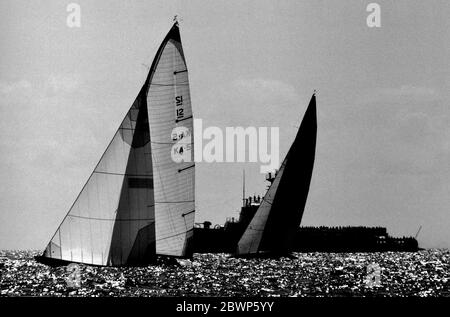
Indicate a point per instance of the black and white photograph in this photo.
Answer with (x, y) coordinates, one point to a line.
(227, 150)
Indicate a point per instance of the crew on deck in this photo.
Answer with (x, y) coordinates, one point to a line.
(252, 200)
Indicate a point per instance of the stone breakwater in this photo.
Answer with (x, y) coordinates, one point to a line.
(391, 274)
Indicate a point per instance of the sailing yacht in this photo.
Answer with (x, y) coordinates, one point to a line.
(276, 221)
(139, 200)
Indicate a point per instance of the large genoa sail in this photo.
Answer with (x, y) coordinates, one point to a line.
(136, 183)
(112, 216)
(278, 217)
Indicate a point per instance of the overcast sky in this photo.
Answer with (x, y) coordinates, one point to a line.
(383, 146)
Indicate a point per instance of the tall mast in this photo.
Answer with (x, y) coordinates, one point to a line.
(243, 187)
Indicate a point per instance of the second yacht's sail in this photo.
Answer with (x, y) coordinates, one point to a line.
(278, 217)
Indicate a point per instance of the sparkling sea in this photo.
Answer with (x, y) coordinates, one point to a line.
(389, 274)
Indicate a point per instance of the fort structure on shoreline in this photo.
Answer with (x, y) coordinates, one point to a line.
(224, 238)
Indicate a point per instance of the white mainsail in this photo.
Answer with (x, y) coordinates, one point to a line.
(138, 201)
(171, 128)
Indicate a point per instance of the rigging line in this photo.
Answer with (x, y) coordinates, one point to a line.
(169, 85)
(120, 174)
(154, 142)
(167, 121)
(174, 235)
(59, 234)
(148, 193)
(132, 158)
(131, 129)
(126, 153)
(174, 202)
(90, 226)
(112, 219)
